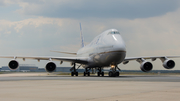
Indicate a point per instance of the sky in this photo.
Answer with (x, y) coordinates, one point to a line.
(34, 27)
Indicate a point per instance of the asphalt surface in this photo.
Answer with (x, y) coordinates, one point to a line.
(148, 78)
(52, 87)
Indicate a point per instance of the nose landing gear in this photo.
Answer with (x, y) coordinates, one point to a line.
(114, 72)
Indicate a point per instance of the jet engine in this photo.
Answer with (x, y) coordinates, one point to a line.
(146, 66)
(13, 65)
(50, 66)
(169, 64)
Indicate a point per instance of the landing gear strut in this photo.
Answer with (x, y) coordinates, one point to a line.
(86, 72)
(74, 70)
(114, 72)
(100, 72)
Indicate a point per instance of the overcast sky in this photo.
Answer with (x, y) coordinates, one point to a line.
(34, 27)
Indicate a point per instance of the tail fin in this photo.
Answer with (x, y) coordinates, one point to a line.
(82, 38)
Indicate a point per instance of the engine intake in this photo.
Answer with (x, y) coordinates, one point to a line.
(146, 66)
(169, 64)
(50, 67)
(13, 65)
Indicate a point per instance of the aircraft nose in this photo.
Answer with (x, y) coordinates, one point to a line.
(119, 44)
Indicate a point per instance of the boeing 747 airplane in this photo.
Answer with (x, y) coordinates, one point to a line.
(106, 50)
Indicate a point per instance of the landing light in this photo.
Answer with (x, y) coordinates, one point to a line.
(112, 66)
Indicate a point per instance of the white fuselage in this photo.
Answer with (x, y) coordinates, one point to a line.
(106, 49)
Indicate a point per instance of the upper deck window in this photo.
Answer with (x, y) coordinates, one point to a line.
(114, 32)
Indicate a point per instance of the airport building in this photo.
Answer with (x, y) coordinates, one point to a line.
(22, 68)
(33, 68)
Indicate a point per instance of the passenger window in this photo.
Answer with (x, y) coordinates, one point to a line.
(114, 32)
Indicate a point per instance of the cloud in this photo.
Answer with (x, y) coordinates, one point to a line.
(7, 2)
(39, 33)
(1, 2)
(99, 9)
(46, 32)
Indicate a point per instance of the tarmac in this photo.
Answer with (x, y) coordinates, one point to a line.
(45, 87)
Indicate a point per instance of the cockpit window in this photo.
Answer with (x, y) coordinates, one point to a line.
(114, 32)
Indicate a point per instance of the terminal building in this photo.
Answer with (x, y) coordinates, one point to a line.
(22, 68)
(33, 68)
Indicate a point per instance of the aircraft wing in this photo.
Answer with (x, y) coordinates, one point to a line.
(65, 52)
(81, 60)
(153, 58)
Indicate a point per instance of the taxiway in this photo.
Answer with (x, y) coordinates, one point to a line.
(66, 88)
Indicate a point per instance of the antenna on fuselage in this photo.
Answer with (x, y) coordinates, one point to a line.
(82, 38)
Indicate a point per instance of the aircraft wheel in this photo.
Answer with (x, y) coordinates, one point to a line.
(88, 73)
(98, 73)
(110, 74)
(76, 73)
(102, 74)
(72, 73)
(117, 74)
(84, 73)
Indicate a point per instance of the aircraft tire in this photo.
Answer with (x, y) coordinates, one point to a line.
(102, 73)
(72, 73)
(117, 74)
(84, 73)
(114, 74)
(110, 74)
(98, 73)
(76, 73)
(88, 73)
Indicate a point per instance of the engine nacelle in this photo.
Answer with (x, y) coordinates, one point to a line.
(169, 64)
(50, 67)
(146, 66)
(13, 65)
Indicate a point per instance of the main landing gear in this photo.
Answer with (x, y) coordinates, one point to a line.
(100, 73)
(86, 72)
(74, 70)
(114, 72)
